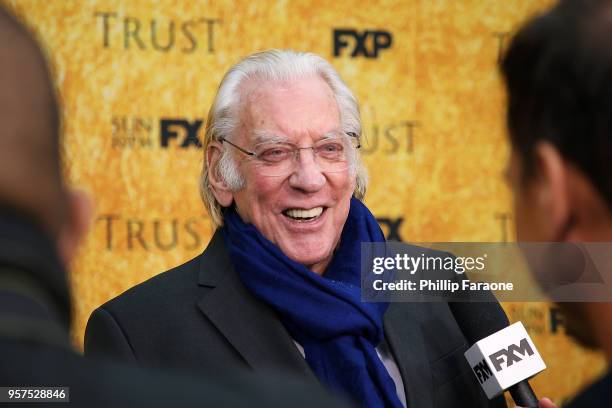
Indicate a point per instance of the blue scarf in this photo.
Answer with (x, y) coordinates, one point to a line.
(325, 315)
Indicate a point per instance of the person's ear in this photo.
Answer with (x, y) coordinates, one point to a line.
(220, 189)
(551, 188)
(79, 212)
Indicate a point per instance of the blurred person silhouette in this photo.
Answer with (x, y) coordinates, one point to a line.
(558, 74)
(41, 224)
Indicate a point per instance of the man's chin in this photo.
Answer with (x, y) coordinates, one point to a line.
(315, 262)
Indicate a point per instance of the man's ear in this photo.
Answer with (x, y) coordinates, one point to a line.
(76, 225)
(220, 189)
(551, 183)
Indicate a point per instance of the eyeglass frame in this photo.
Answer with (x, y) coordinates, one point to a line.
(297, 149)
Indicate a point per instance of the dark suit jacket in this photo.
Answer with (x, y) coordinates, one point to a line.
(35, 349)
(200, 316)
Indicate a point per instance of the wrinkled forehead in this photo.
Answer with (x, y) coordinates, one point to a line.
(297, 109)
(258, 137)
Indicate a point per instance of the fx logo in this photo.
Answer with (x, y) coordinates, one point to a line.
(172, 128)
(367, 43)
(511, 355)
(482, 371)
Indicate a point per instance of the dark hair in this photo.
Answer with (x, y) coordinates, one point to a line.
(558, 73)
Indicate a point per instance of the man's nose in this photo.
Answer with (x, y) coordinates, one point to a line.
(307, 175)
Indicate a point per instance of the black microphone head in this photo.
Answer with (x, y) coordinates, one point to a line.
(478, 320)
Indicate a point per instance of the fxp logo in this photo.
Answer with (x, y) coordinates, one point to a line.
(367, 43)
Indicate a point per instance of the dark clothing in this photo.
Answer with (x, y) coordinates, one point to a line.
(35, 350)
(97, 383)
(598, 394)
(199, 316)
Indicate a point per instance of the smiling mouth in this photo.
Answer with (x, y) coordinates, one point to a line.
(302, 215)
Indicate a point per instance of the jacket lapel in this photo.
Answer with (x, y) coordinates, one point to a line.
(405, 338)
(247, 323)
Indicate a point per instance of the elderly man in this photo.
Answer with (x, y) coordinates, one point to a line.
(558, 72)
(278, 286)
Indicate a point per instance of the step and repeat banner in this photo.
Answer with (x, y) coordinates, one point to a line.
(136, 80)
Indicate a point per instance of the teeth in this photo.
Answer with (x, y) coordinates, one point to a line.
(299, 213)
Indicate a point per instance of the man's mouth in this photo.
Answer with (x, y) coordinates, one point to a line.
(303, 215)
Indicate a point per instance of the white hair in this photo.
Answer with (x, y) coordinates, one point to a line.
(271, 65)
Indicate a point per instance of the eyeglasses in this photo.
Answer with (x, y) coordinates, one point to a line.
(332, 154)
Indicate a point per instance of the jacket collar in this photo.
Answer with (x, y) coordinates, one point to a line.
(249, 325)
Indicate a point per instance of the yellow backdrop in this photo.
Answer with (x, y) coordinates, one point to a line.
(136, 78)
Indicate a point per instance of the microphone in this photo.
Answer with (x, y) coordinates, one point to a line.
(502, 356)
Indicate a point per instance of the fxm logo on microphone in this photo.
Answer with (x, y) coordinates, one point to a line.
(506, 356)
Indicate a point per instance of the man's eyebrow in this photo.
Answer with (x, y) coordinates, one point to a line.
(260, 137)
(331, 134)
